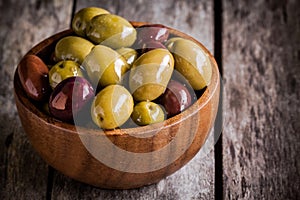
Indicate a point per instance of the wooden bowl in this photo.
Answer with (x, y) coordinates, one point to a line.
(121, 158)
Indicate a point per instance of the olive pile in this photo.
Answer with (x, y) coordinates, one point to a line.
(117, 72)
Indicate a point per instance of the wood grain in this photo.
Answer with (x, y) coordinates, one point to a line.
(261, 78)
(196, 179)
(23, 175)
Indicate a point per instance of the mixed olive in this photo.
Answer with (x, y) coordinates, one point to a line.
(116, 72)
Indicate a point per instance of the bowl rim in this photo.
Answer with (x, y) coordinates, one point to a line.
(208, 93)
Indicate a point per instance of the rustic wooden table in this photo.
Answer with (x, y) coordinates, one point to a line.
(257, 46)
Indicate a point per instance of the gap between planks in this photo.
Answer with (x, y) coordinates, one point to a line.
(218, 29)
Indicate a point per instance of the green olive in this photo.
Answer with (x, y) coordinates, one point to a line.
(150, 74)
(62, 70)
(145, 113)
(192, 62)
(72, 48)
(169, 43)
(129, 54)
(105, 66)
(111, 30)
(112, 107)
(83, 17)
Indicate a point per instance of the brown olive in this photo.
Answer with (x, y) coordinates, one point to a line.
(33, 74)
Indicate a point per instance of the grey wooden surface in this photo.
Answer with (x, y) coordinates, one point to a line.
(261, 64)
(260, 59)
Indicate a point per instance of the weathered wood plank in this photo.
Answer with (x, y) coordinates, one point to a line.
(261, 57)
(193, 17)
(196, 179)
(23, 175)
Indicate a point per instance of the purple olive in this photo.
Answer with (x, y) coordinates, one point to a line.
(176, 98)
(69, 98)
(152, 32)
(150, 45)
